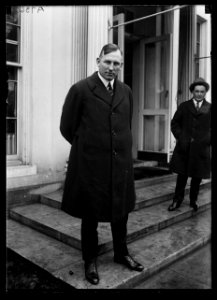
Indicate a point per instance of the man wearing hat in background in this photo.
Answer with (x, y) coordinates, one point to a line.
(191, 126)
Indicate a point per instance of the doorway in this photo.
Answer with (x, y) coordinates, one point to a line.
(148, 59)
(154, 97)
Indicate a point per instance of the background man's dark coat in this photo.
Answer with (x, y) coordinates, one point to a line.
(99, 178)
(192, 130)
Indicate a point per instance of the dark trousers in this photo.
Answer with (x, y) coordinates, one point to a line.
(180, 188)
(89, 237)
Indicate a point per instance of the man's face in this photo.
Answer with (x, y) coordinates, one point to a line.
(110, 64)
(199, 92)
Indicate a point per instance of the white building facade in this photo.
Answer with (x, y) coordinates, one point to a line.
(49, 48)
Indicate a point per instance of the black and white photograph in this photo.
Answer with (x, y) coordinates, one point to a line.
(108, 147)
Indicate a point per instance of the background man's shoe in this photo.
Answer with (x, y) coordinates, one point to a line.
(194, 206)
(129, 262)
(91, 273)
(174, 206)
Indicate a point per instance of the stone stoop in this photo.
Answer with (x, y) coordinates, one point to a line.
(66, 228)
(155, 251)
(50, 238)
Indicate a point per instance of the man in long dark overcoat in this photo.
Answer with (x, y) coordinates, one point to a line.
(99, 186)
(191, 126)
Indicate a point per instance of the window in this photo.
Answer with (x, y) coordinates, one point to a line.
(198, 45)
(201, 48)
(13, 63)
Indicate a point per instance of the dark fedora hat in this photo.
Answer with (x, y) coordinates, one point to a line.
(199, 81)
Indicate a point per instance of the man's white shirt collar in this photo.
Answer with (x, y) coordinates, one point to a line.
(106, 82)
(200, 102)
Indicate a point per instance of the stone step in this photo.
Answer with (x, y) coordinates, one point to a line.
(55, 189)
(155, 251)
(146, 196)
(160, 192)
(142, 172)
(53, 192)
(139, 183)
(65, 228)
(144, 163)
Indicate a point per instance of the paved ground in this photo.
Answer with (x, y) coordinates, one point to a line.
(191, 272)
(22, 275)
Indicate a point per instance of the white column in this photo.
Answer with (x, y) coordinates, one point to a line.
(99, 18)
(69, 62)
(41, 91)
(174, 74)
(25, 96)
(79, 42)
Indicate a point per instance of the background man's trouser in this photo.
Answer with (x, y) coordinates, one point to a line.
(180, 188)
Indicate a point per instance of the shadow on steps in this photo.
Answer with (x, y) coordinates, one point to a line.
(149, 172)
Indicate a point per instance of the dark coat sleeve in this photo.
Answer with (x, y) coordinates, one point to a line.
(71, 114)
(176, 123)
(131, 108)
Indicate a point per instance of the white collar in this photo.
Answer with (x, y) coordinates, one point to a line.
(200, 102)
(106, 82)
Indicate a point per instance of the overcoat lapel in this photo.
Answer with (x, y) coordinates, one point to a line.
(98, 88)
(192, 107)
(118, 94)
(203, 109)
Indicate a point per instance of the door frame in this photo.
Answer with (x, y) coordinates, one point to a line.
(173, 82)
(120, 18)
(164, 112)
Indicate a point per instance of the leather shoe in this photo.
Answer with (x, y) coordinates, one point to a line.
(194, 205)
(129, 262)
(174, 206)
(91, 273)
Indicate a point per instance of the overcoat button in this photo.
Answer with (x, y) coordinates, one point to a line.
(114, 153)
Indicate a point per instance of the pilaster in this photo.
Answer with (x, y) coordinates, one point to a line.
(99, 18)
(79, 42)
(25, 98)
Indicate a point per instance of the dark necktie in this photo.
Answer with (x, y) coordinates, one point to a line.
(197, 106)
(110, 90)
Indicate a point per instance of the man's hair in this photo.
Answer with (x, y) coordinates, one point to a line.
(108, 48)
